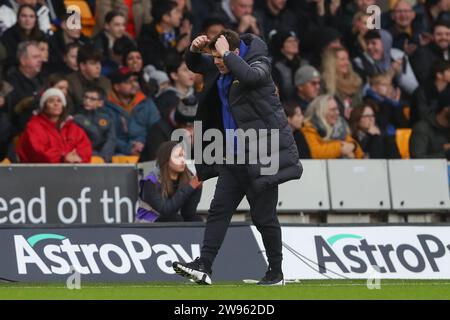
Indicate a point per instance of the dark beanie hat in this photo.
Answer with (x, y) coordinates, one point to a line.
(186, 110)
(121, 75)
(278, 38)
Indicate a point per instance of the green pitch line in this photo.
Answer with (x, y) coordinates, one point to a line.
(340, 289)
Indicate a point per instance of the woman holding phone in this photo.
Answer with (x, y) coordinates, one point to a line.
(171, 192)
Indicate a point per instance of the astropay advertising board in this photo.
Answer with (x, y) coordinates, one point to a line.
(385, 252)
(121, 254)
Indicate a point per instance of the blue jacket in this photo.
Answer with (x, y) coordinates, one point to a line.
(134, 126)
(143, 117)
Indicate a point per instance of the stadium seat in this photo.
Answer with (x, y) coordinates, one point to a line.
(5, 161)
(402, 138)
(125, 159)
(97, 160)
(87, 18)
(419, 185)
(359, 185)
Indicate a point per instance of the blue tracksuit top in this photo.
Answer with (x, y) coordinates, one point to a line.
(223, 84)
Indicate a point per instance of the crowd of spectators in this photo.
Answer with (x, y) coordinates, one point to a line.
(347, 88)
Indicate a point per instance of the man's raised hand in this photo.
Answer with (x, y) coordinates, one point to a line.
(222, 45)
(199, 43)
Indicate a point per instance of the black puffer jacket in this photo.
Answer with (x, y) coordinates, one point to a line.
(253, 104)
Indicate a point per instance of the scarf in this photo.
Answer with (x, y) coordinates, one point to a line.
(339, 131)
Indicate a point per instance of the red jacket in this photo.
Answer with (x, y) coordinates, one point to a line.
(41, 142)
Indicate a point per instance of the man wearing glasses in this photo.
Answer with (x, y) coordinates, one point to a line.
(308, 85)
(97, 123)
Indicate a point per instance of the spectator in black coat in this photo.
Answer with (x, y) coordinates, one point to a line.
(375, 143)
(61, 42)
(438, 49)
(434, 10)
(111, 41)
(354, 37)
(320, 40)
(295, 118)
(406, 30)
(170, 193)
(70, 64)
(212, 26)
(26, 79)
(286, 61)
(275, 16)
(239, 16)
(6, 129)
(26, 29)
(425, 98)
(162, 36)
(430, 137)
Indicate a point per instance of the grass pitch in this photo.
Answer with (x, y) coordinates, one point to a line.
(316, 290)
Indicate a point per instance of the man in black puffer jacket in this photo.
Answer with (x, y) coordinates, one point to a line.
(239, 93)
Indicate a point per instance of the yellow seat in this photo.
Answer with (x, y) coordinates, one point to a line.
(402, 139)
(97, 160)
(5, 161)
(87, 18)
(125, 159)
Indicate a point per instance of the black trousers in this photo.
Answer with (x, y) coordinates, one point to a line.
(232, 186)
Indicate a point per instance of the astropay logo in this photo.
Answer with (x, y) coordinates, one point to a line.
(56, 254)
(352, 253)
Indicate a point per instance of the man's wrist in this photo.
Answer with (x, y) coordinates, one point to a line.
(192, 49)
(226, 53)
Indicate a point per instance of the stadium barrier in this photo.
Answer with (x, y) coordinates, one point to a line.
(107, 194)
(144, 253)
(356, 185)
(67, 194)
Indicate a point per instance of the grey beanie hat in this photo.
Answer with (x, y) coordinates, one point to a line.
(305, 74)
(150, 72)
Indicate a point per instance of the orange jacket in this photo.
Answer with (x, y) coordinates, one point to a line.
(321, 149)
(42, 142)
(138, 98)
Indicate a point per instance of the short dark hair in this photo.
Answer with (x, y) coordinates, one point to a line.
(87, 53)
(162, 7)
(54, 78)
(112, 14)
(440, 23)
(289, 108)
(372, 34)
(123, 45)
(71, 46)
(231, 36)
(127, 53)
(99, 90)
(443, 100)
(438, 67)
(212, 21)
(173, 62)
